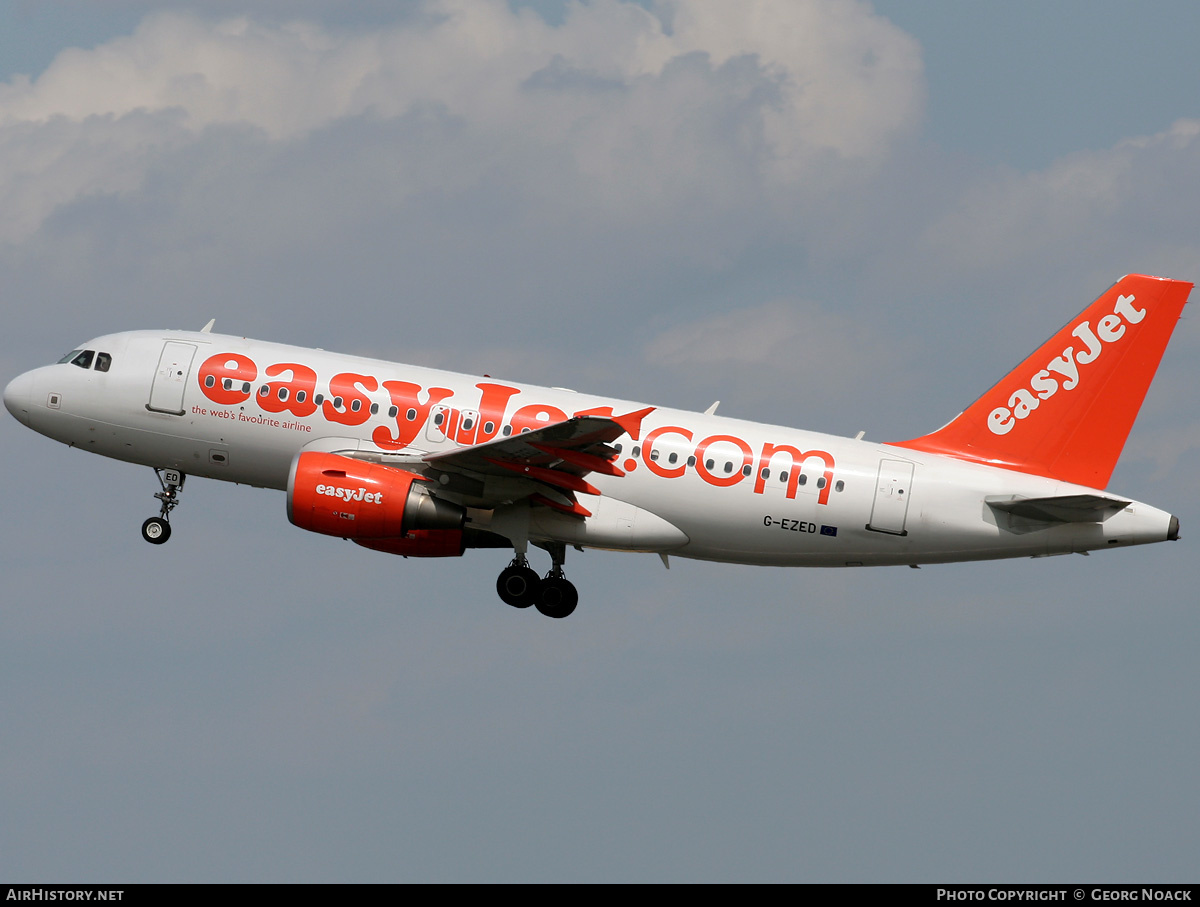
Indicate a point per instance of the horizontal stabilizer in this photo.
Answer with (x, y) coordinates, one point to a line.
(1067, 508)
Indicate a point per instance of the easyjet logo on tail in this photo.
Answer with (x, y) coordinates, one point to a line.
(1063, 371)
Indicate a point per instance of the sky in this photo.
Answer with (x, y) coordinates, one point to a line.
(841, 216)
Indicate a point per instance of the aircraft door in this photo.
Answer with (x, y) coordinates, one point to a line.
(170, 380)
(891, 497)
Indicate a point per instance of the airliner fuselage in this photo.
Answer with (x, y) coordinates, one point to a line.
(504, 463)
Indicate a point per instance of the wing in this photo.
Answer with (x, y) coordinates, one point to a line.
(546, 465)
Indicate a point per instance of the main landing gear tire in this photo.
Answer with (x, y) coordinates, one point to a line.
(518, 586)
(558, 597)
(156, 530)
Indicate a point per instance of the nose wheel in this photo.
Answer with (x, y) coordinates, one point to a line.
(554, 595)
(157, 529)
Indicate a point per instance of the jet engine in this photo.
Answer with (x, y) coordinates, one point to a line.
(353, 499)
(421, 543)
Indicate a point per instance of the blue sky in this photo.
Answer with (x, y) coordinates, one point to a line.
(1023, 84)
(838, 216)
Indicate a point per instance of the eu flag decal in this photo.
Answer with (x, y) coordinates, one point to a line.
(829, 530)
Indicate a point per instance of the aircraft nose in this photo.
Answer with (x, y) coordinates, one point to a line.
(16, 397)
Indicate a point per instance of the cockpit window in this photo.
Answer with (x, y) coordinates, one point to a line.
(84, 358)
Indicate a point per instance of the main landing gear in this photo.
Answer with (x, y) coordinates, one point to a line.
(157, 529)
(554, 595)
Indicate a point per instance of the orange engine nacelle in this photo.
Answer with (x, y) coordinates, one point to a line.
(421, 543)
(353, 499)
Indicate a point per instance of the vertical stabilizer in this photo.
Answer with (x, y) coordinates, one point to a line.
(1066, 411)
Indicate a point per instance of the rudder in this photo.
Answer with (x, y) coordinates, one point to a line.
(1066, 411)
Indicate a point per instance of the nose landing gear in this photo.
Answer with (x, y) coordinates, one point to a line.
(157, 529)
(555, 595)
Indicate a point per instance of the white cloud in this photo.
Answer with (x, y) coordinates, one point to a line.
(723, 102)
(786, 353)
(849, 79)
(44, 166)
(1127, 199)
(281, 79)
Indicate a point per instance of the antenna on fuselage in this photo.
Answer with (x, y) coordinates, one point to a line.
(207, 329)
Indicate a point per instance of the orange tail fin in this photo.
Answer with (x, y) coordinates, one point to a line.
(1066, 411)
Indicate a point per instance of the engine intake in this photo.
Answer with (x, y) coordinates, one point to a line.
(353, 499)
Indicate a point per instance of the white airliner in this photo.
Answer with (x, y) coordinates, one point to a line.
(426, 463)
